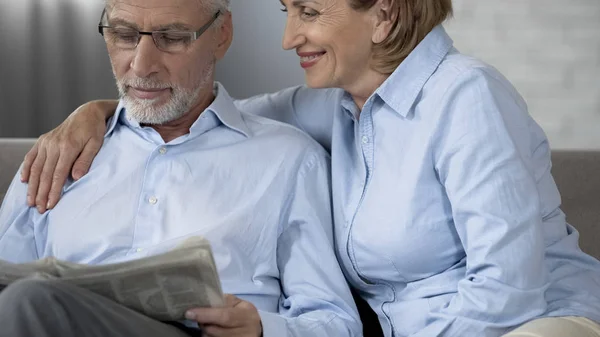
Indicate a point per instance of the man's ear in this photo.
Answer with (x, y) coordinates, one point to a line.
(224, 36)
(385, 17)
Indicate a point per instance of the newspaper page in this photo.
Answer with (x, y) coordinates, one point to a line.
(162, 286)
(10, 272)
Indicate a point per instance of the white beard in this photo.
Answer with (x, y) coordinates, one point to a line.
(148, 111)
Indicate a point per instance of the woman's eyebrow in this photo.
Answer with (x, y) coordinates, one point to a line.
(299, 3)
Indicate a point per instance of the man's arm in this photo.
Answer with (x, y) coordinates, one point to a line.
(17, 220)
(316, 299)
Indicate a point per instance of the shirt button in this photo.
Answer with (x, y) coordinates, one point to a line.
(365, 139)
(139, 250)
(162, 150)
(153, 200)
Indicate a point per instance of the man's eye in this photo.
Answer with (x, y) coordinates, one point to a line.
(283, 9)
(125, 35)
(175, 38)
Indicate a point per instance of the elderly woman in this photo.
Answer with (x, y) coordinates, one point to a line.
(447, 217)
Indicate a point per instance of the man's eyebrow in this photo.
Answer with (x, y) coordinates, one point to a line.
(174, 26)
(167, 27)
(121, 22)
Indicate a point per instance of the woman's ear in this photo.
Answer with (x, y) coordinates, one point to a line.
(385, 17)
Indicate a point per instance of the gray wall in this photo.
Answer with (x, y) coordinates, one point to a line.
(53, 59)
(550, 50)
(256, 63)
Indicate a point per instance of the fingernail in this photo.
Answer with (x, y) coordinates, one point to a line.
(29, 201)
(49, 205)
(190, 315)
(40, 209)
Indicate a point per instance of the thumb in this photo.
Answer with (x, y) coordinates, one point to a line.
(84, 161)
(231, 300)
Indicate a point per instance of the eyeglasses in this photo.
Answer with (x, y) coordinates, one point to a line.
(169, 41)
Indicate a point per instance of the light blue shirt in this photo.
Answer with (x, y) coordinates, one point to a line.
(257, 189)
(447, 218)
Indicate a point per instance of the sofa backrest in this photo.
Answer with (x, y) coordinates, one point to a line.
(577, 174)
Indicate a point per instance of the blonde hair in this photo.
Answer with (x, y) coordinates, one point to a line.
(414, 20)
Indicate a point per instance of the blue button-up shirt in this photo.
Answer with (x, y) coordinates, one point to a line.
(257, 189)
(447, 218)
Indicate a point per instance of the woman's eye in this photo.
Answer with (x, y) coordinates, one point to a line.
(309, 13)
(283, 9)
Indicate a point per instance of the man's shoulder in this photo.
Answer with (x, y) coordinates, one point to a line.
(283, 136)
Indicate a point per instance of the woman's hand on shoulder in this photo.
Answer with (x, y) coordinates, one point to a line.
(68, 149)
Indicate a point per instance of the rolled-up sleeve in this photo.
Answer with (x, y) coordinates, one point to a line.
(483, 159)
(316, 300)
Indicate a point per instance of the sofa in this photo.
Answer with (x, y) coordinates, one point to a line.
(577, 174)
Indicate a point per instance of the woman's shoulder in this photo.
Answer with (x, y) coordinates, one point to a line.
(467, 72)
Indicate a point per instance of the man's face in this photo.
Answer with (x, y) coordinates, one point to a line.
(157, 86)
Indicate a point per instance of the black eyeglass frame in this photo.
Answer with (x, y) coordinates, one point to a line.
(194, 35)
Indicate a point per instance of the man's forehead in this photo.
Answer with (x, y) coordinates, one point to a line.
(156, 12)
(158, 4)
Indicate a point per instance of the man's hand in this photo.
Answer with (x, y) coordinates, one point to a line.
(71, 147)
(236, 319)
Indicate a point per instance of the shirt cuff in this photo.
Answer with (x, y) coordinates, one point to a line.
(273, 325)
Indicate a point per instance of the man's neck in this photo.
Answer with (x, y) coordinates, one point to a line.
(181, 126)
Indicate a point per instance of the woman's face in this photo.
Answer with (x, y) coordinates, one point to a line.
(333, 40)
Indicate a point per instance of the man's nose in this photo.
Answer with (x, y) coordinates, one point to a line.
(147, 58)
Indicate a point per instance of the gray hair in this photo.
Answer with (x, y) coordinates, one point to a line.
(212, 6)
(222, 5)
(218, 5)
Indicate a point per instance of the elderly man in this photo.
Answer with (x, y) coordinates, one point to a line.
(179, 160)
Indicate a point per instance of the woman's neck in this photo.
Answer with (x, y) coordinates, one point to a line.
(365, 86)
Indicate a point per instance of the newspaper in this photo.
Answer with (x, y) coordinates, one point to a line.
(162, 286)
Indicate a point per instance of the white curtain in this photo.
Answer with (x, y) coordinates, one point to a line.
(51, 60)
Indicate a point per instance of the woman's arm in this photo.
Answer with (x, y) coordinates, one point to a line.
(72, 146)
(483, 156)
(68, 149)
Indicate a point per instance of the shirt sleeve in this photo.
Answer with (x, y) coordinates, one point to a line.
(316, 300)
(310, 110)
(17, 236)
(484, 160)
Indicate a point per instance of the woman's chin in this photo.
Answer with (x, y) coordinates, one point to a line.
(318, 82)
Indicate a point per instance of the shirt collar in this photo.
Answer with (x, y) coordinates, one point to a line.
(222, 107)
(415, 71)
